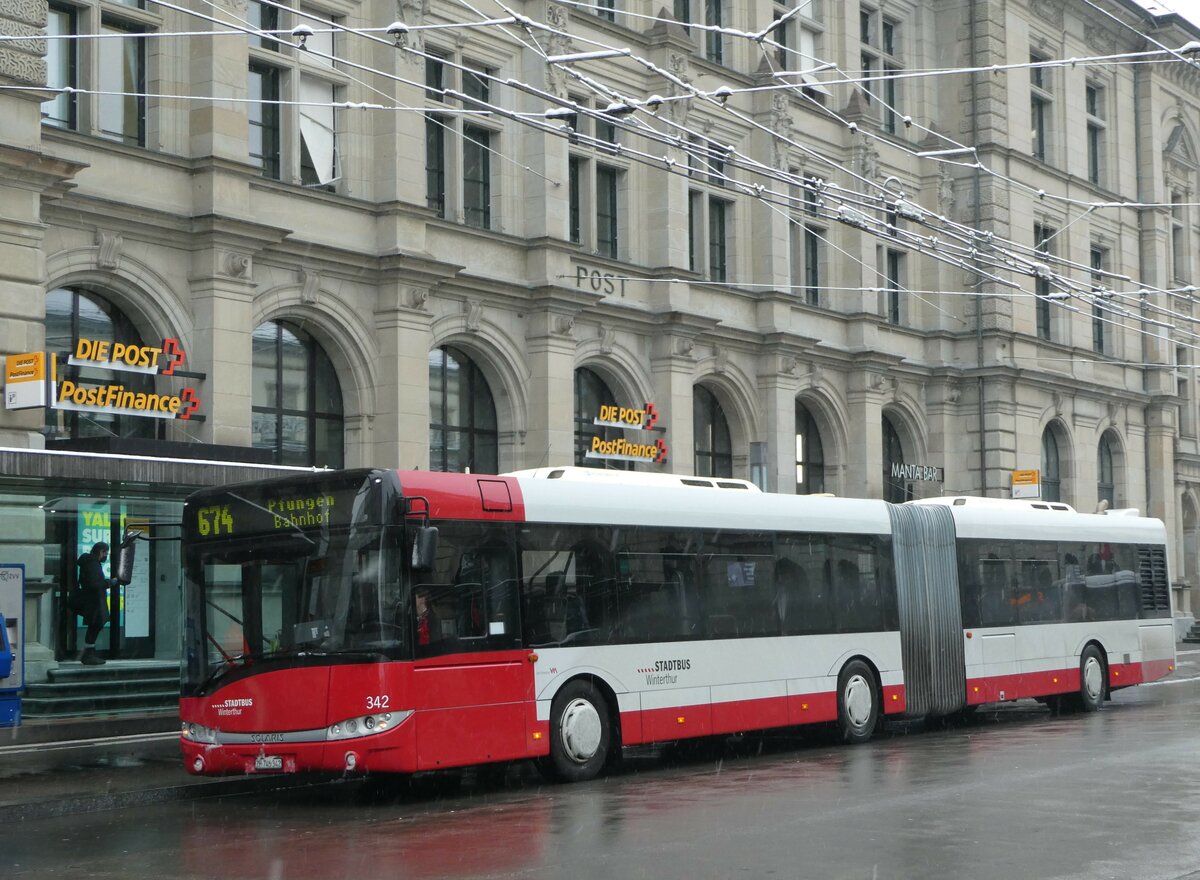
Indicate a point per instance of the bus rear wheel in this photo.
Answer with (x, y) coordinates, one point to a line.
(580, 733)
(858, 703)
(1092, 675)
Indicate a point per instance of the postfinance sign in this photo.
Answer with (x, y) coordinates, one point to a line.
(114, 397)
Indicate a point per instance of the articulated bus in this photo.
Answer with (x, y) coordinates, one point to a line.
(384, 622)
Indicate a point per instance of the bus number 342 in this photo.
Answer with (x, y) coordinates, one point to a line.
(380, 702)
(214, 520)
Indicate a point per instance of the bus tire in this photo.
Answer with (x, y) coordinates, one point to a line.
(857, 702)
(1092, 676)
(580, 733)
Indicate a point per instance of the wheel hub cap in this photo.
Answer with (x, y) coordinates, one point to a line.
(1092, 678)
(858, 700)
(580, 730)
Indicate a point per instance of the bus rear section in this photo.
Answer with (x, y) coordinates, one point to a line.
(1057, 605)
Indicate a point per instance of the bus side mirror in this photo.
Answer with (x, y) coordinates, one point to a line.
(424, 553)
(123, 570)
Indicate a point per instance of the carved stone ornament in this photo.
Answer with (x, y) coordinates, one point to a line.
(564, 325)
(21, 67)
(412, 13)
(474, 312)
(109, 246)
(953, 394)
(720, 359)
(1113, 412)
(608, 338)
(238, 6)
(679, 65)
(310, 283)
(1050, 11)
(1100, 39)
(417, 297)
(875, 381)
(781, 125)
(787, 365)
(558, 43)
(946, 192)
(866, 159)
(235, 265)
(684, 346)
(1057, 399)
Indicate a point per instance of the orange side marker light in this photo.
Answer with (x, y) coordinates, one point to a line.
(680, 720)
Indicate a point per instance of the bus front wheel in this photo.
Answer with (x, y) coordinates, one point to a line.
(858, 704)
(580, 733)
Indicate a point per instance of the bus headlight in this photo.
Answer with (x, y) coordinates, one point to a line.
(365, 725)
(199, 733)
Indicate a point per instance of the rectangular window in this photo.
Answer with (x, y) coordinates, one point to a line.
(865, 29)
(62, 63)
(574, 172)
(263, 17)
(318, 132)
(1040, 99)
(868, 70)
(477, 86)
(1041, 285)
(683, 13)
(695, 234)
(718, 209)
(606, 211)
(1098, 257)
(477, 177)
(889, 98)
(1095, 132)
(606, 9)
(1179, 254)
(435, 78)
(894, 268)
(889, 38)
(263, 92)
(122, 106)
(713, 40)
(435, 164)
(812, 265)
(606, 132)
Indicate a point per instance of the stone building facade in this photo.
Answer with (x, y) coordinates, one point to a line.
(418, 246)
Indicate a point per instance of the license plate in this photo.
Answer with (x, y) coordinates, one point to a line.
(268, 762)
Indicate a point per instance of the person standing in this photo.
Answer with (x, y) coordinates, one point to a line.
(93, 600)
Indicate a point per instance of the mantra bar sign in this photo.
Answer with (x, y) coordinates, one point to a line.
(625, 418)
(917, 472)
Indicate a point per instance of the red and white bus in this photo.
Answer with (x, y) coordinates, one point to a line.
(403, 621)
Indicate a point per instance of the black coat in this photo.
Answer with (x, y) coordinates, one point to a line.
(93, 589)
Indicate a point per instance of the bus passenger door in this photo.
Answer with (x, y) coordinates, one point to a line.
(473, 683)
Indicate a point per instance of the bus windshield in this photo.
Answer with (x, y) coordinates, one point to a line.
(281, 573)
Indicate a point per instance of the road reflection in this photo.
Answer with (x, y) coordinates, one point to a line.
(1006, 786)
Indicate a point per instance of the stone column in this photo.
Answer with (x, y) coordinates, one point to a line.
(777, 388)
(864, 404)
(551, 346)
(222, 297)
(401, 423)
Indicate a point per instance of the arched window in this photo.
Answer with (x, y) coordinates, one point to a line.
(810, 457)
(592, 392)
(462, 415)
(297, 400)
(1051, 475)
(895, 489)
(1105, 484)
(710, 432)
(74, 313)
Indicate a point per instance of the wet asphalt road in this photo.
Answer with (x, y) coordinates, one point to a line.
(1015, 793)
